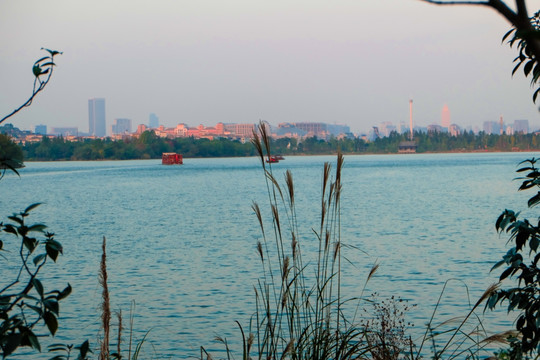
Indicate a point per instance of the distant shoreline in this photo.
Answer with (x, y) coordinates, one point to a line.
(295, 155)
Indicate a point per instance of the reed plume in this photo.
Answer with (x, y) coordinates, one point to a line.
(105, 306)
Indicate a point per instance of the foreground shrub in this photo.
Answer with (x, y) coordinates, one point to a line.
(24, 301)
(521, 263)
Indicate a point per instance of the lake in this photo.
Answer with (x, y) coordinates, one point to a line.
(181, 240)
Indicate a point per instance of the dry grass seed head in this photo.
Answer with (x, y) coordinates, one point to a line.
(489, 291)
(372, 271)
(256, 141)
(250, 341)
(260, 250)
(285, 271)
(294, 245)
(275, 214)
(337, 248)
(290, 186)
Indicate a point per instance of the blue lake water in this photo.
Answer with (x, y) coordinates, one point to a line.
(181, 239)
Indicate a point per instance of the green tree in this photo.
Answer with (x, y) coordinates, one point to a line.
(11, 155)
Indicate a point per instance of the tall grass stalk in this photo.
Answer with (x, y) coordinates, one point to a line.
(106, 305)
(299, 304)
(460, 337)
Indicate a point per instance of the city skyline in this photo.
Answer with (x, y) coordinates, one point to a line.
(124, 125)
(206, 62)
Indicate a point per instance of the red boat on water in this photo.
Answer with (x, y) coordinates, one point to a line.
(171, 159)
(274, 159)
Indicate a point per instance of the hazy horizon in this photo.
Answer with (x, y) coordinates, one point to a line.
(349, 62)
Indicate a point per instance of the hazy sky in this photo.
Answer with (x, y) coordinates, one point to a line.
(355, 62)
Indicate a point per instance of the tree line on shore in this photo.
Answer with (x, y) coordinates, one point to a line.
(150, 146)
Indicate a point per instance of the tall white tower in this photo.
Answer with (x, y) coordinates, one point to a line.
(410, 118)
(445, 117)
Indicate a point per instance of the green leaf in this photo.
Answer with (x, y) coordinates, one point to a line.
(53, 244)
(51, 322)
(65, 293)
(516, 68)
(53, 248)
(31, 207)
(508, 34)
(36, 70)
(30, 243)
(11, 229)
(16, 219)
(39, 258)
(533, 243)
(535, 95)
(33, 340)
(505, 274)
(83, 349)
(52, 52)
(39, 287)
(37, 227)
(534, 200)
(493, 300)
(502, 262)
(528, 168)
(528, 67)
(52, 305)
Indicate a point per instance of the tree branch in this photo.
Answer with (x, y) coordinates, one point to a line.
(438, 2)
(43, 66)
(498, 5)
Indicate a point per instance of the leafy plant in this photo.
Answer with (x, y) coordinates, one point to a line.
(42, 69)
(84, 349)
(522, 39)
(24, 301)
(525, 235)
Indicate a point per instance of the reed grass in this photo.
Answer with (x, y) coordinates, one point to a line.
(105, 353)
(300, 309)
(299, 306)
(106, 304)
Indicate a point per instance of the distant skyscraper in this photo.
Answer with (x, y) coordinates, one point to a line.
(445, 117)
(96, 117)
(40, 129)
(521, 126)
(492, 127)
(121, 126)
(153, 121)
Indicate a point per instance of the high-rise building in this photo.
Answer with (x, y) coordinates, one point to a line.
(492, 127)
(153, 121)
(40, 129)
(445, 117)
(521, 126)
(121, 126)
(96, 117)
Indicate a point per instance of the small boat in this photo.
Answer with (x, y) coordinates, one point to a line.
(279, 157)
(171, 159)
(272, 159)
